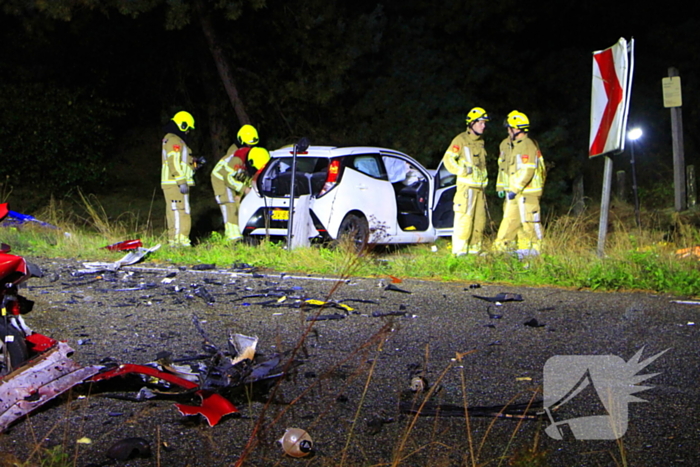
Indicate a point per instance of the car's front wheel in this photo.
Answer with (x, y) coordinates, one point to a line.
(354, 229)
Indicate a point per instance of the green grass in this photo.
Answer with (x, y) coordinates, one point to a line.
(634, 259)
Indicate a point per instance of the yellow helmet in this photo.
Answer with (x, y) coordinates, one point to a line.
(258, 157)
(518, 120)
(184, 120)
(476, 114)
(248, 135)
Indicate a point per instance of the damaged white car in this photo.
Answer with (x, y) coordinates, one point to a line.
(376, 195)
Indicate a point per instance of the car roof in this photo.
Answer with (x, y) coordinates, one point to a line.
(336, 151)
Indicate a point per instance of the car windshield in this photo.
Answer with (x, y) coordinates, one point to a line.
(311, 174)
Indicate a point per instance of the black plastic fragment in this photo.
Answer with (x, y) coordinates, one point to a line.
(502, 297)
(533, 323)
(393, 288)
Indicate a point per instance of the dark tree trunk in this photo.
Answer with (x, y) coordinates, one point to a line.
(216, 111)
(222, 64)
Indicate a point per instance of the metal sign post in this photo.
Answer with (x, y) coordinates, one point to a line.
(673, 100)
(301, 146)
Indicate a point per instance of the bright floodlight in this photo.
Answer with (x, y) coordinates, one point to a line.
(635, 134)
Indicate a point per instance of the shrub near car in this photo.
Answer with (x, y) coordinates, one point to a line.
(380, 196)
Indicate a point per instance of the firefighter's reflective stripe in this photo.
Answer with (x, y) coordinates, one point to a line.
(538, 225)
(470, 201)
(177, 165)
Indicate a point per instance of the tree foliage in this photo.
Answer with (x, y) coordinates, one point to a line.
(54, 138)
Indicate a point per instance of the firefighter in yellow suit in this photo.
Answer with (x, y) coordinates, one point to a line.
(466, 158)
(523, 181)
(231, 177)
(176, 178)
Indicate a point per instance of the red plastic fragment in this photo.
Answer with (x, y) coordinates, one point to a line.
(213, 408)
(40, 343)
(144, 370)
(125, 245)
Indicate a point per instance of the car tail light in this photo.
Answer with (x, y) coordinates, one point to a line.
(332, 177)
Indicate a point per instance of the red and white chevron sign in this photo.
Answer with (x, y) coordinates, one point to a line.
(612, 82)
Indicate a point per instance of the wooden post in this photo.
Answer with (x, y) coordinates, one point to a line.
(691, 186)
(678, 155)
(621, 185)
(605, 206)
(578, 201)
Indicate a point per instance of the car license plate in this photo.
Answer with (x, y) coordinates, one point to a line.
(280, 215)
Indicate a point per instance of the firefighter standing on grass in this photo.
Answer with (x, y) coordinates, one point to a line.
(466, 158)
(232, 175)
(522, 181)
(177, 177)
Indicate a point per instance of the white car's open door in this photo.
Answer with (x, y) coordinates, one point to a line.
(443, 215)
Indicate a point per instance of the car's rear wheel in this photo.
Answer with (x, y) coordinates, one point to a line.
(354, 229)
(13, 348)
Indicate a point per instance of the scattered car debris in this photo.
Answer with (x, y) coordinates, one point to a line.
(42, 379)
(393, 288)
(533, 323)
(201, 291)
(686, 302)
(125, 245)
(501, 297)
(327, 304)
(14, 219)
(418, 384)
(395, 280)
(132, 257)
(381, 314)
(212, 408)
(204, 267)
(693, 252)
(296, 442)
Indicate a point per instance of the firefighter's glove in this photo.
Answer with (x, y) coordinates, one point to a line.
(199, 162)
(240, 176)
(511, 195)
(184, 189)
(501, 194)
(470, 170)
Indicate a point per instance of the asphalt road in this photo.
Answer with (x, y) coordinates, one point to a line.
(350, 388)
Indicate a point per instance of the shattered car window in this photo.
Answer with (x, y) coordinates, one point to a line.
(310, 176)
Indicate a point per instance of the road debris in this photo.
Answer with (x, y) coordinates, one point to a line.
(42, 379)
(393, 288)
(533, 323)
(501, 298)
(296, 442)
(125, 245)
(132, 257)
